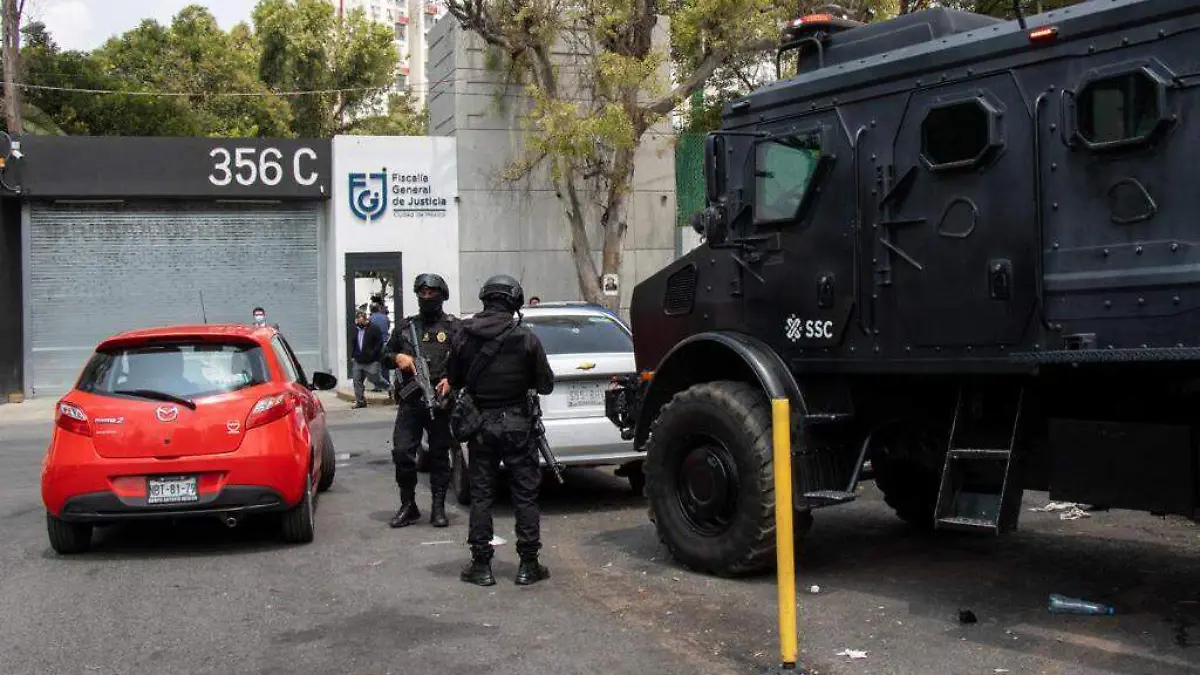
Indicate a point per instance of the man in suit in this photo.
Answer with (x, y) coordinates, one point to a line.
(365, 352)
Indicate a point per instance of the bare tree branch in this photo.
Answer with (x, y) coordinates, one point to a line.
(712, 60)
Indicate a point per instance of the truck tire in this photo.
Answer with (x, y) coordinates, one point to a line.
(906, 476)
(709, 479)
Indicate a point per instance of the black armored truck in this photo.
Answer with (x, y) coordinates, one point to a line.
(966, 250)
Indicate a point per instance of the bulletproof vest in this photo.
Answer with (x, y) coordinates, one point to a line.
(435, 343)
(510, 375)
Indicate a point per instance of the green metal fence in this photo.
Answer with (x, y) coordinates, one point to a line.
(689, 177)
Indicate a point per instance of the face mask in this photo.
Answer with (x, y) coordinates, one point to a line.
(259, 318)
(429, 306)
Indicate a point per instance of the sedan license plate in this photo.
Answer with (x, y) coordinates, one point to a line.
(583, 394)
(173, 490)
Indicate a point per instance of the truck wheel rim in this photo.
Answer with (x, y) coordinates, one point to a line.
(707, 487)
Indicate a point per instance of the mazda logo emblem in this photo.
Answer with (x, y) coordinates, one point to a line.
(166, 413)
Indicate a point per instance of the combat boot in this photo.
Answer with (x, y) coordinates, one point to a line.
(478, 572)
(531, 571)
(408, 513)
(437, 511)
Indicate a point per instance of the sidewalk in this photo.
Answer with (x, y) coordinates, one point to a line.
(32, 410)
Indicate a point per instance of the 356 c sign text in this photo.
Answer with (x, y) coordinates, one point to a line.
(249, 166)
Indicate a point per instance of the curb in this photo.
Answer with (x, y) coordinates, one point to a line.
(373, 398)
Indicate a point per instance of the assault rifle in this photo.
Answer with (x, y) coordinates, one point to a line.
(539, 436)
(420, 376)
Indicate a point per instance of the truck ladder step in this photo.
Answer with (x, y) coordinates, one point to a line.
(980, 453)
(980, 490)
(830, 497)
(968, 524)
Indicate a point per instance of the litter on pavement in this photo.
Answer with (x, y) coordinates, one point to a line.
(1069, 510)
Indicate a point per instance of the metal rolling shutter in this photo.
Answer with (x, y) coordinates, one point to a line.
(99, 269)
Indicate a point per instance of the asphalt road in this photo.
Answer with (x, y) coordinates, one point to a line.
(364, 598)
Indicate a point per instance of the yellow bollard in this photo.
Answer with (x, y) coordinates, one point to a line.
(784, 539)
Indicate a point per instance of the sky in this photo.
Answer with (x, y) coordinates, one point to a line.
(86, 24)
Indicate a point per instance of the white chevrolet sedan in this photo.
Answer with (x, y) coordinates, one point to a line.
(586, 345)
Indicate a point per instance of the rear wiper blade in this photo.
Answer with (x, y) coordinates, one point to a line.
(157, 396)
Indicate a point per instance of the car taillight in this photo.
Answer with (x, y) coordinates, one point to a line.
(270, 408)
(72, 418)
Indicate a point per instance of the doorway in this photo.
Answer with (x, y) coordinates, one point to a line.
(371, 278)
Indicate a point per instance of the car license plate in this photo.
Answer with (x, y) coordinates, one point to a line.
(173, 490)
(587, 393)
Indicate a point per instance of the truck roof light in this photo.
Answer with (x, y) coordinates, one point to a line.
(812, 18)
(1043, 33)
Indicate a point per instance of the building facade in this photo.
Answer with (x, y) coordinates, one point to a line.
(411, 20)
(519, 227)
(110, 234)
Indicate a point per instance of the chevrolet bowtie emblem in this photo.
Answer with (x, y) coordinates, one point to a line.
(585, 366)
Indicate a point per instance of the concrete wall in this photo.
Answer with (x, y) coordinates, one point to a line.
(427, 239)
(519, 228)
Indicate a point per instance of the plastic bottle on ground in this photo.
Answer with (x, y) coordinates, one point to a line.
(1061, 604)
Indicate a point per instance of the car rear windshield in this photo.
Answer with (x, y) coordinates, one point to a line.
(185, 369)
(580, 334)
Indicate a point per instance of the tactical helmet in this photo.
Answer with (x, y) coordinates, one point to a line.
(504, 287)
(434, 281)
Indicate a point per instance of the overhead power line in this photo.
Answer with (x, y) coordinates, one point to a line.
(191, 94)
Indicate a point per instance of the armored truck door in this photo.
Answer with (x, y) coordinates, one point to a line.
(798, 262)
(1122, 262)
(956, 236)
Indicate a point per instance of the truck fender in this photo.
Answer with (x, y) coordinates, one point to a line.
(717, 355)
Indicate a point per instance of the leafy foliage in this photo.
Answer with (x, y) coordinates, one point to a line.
(305, 49)
(402, 119)
(194, 54)
(293, 45)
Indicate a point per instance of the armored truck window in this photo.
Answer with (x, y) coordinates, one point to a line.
(955, 134)
(783, 169)
(1118, 108)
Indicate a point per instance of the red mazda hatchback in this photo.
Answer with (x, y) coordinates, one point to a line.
(212, 420)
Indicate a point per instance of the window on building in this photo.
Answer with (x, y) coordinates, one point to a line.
(783, 169)
(1118, 108)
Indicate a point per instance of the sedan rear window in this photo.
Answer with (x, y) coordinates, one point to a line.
(184, 369)
(580, 334)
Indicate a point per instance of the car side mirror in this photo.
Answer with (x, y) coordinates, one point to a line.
(323, 381)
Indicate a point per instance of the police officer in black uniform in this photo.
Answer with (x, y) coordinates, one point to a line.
(501, 394)
(435, 329)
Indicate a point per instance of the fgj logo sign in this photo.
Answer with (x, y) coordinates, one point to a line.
(406, 194)
(368, 195)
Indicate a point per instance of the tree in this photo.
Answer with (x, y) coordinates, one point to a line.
(75, 112)
(586, 126)
(306, 48)
(223, 83)
(11, 53)
(194, 54)
(402, 119)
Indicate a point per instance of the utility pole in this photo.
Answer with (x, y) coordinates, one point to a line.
(11, 17)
